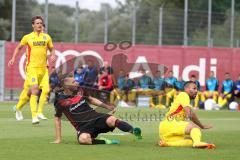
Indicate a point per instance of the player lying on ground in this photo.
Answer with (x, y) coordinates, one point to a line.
(175, 129)
(73, 102)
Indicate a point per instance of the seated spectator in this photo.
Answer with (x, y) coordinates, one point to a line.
(144, 85)
(105, 81)
(158, 87)
(91, 76)
(118, 93)
(211, 87)
(109, 69)
(237, 87)
(129, 90)
(79, 75)
(169, 88)
(179, 85)
(144, 82)
(227, 90)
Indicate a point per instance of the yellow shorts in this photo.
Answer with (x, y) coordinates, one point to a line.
(172, 130)
(211, 93)
(26, 85)
(132, 95)
(144, 91)
(170, 92)
(37, 76)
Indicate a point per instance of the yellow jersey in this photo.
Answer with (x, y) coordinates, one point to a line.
(177, 107)
(37, 46)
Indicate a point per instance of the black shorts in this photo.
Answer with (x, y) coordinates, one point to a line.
(96, 127)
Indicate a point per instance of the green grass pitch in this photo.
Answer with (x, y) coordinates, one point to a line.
(23, 141)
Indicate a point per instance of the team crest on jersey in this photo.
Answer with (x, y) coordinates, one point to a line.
(33, 79)
(44, 38)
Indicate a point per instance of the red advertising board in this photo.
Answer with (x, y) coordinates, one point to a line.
(184, 61)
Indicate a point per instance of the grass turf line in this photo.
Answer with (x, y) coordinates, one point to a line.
(22, 140)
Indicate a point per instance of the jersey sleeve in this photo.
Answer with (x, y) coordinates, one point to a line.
(59, 103)
(24, 40)
(50, 43)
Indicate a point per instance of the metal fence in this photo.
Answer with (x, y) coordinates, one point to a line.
(166, 27)
(2, 69)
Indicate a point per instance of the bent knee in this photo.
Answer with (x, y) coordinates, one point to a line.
(190, 127)
(111, 121)
(85, 138)
(34, 90)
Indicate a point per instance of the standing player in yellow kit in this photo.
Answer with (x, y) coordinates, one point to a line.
(175, 130)
(36, 67)
(24, 98)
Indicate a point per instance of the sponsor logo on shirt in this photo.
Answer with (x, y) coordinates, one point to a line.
(39, 43)
(77, 105)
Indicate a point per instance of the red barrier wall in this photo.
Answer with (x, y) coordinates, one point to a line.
(184, 61)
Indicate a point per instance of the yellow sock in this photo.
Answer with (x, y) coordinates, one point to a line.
(220, 99)
(151, 101)
(33, 105)
(42, 102)
(196, 135)
(215, 98)
(180, 143)
(160, 99)
(167, 100)
(23, 99)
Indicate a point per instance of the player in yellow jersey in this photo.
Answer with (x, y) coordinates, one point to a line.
(37, 44)
(175, 129)
(24, 97)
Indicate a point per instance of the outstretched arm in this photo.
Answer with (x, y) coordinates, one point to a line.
(99, 103)
(57, 130)
(193, 117)
(57, 121)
